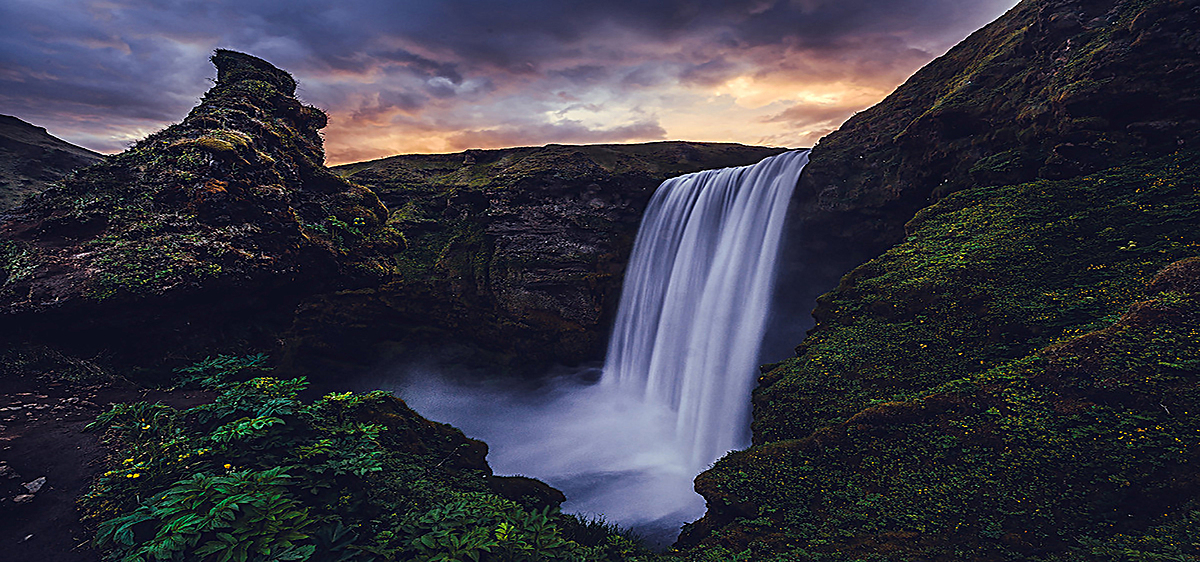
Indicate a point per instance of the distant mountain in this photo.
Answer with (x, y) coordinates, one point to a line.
(31, 158)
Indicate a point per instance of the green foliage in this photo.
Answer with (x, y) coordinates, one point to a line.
(258, 474)
(214, 371)
(483, 528)
(258, 397)
(16, 263)
(245, 515)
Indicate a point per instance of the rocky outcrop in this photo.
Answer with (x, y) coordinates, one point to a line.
(30, 158)
(210, 230)
(1007, 379)
(513, 257)
(1013, 381)
(1053, 89)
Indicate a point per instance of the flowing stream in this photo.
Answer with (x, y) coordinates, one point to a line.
(674, 393)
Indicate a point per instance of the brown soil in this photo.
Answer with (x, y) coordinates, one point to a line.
(41, 435)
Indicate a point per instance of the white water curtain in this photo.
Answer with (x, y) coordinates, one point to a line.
(695, 299)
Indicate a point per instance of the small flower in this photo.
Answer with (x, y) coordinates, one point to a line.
(135, 475)
(228, 466)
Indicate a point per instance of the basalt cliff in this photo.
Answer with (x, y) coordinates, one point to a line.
(519, 252)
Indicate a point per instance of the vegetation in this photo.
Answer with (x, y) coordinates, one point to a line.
(986, 277)
(1012, 382)
(258, 474)
(1014, 379)
(236, 191)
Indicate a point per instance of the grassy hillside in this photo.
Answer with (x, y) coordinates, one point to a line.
(1015, 380)
(1014, 375)
(30, 159)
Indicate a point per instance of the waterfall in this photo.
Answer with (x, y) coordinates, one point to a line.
(695, 300)
(675, 390)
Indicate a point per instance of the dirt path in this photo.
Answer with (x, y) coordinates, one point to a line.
(41, 436)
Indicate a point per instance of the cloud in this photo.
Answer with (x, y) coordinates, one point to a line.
(432, 75)
(563, 132)
(807, 115)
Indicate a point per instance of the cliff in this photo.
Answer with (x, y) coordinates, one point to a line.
(1015, 376)
(30, 158)
(1051, 90)
(511, 258)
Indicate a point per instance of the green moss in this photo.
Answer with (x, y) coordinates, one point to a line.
(16, 263)
(987, 276)
(999, 386)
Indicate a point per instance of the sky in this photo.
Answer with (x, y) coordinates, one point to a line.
(409, 76)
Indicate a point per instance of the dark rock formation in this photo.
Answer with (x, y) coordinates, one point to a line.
(1015, 380)
(210, 230)
(1053, 89)
(513, 256)
(30, 158)
(1009, 379)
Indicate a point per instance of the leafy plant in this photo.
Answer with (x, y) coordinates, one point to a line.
(483, 529)
(214, 371)
(245, 515)
(258, 474)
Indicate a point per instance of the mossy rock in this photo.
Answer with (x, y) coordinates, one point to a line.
(1015, 380)
(229, 215)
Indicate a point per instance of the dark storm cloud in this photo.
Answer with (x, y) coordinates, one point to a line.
(67, 63)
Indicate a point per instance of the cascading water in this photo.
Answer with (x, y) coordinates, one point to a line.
(695, 299)
(675, 390)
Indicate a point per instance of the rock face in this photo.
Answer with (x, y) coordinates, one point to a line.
(1012, 379)
(30, 158)
(1053, 89)
(229, 214)
(1016, 379)
(518, 251)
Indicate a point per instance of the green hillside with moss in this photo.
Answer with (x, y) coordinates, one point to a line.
(1014, 376)
(1015, 380)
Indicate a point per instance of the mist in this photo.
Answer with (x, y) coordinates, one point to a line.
(613, 456)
